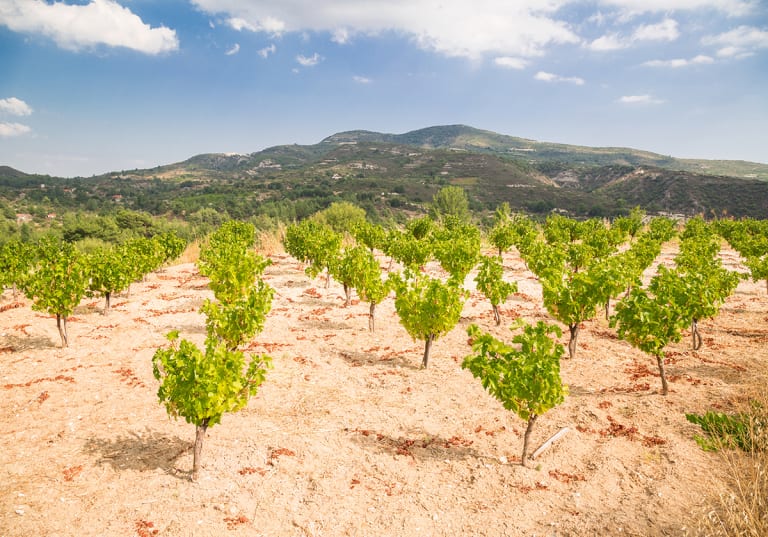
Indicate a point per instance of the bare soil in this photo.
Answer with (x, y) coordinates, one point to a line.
(348, 436)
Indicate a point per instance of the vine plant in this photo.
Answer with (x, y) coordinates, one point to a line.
(524, 376)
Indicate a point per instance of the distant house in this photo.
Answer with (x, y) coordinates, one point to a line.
(22, 218)
(269, 163)
(117, 198)
(51, 216)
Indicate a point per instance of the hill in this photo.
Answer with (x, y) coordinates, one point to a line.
(391, 173)
(466, 138)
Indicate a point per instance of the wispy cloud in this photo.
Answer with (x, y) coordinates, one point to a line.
(740, 42)
(550, 77)
(77, 27)
(15, 107)
(266, 51)
(309, 61)
(510, 62)
(341, 36)
(733, 8)
(234, 50)
(523, 28)
(9, 130)
(639, 99)
(362, 79)
(665, 30)
(270, 25)
(680, 62)
(608, 42)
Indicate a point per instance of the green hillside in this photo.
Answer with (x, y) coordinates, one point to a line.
(391, 176)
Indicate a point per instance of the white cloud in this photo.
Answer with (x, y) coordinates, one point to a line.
(362, 79)
(310, 61)
(77, 27)
(550, 77)
(341, 36)
(241, 24)
(523, 28)
(234, 50)
(732, 8)
(680, 62)
(8, 130)
(270, 25)
(608, 42)
(598, 18)
(15, 107)
(510, 62)
(666, 30)
(740, 42)
(639, 99)
(266, 51)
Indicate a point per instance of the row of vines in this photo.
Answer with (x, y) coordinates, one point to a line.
(585, 268)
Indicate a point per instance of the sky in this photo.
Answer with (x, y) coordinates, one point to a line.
(93, 86)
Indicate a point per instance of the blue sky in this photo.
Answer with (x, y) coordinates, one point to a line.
(92, 86)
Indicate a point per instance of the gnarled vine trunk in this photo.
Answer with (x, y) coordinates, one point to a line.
(107, 297)
(347, 295)
(200, 431)
(427, 347)
(496, 314)
(61, 324)
(527, 438)
(695, 335)
(371, 317)
(662, 372)
(574, 331)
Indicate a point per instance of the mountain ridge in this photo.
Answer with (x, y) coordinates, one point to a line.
(390, 173)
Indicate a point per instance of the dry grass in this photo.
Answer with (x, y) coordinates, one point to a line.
(190, 255)
(271, 241)
(740, 503)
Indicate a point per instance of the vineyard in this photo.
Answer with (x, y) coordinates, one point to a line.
(377, 402)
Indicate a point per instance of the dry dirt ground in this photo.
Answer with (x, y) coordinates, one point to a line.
(348, 436)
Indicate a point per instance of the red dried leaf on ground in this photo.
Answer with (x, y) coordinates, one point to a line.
(279, 452)
(72, 472)
(312, 292)
(457, 441)
(22, 328)
(565, 477)
(248, 470)
(145, 528)
(616, 429)
(12, 305)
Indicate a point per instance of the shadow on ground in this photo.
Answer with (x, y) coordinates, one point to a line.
(142, 452)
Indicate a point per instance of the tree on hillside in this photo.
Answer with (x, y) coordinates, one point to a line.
(450, 201)
(341, 216)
